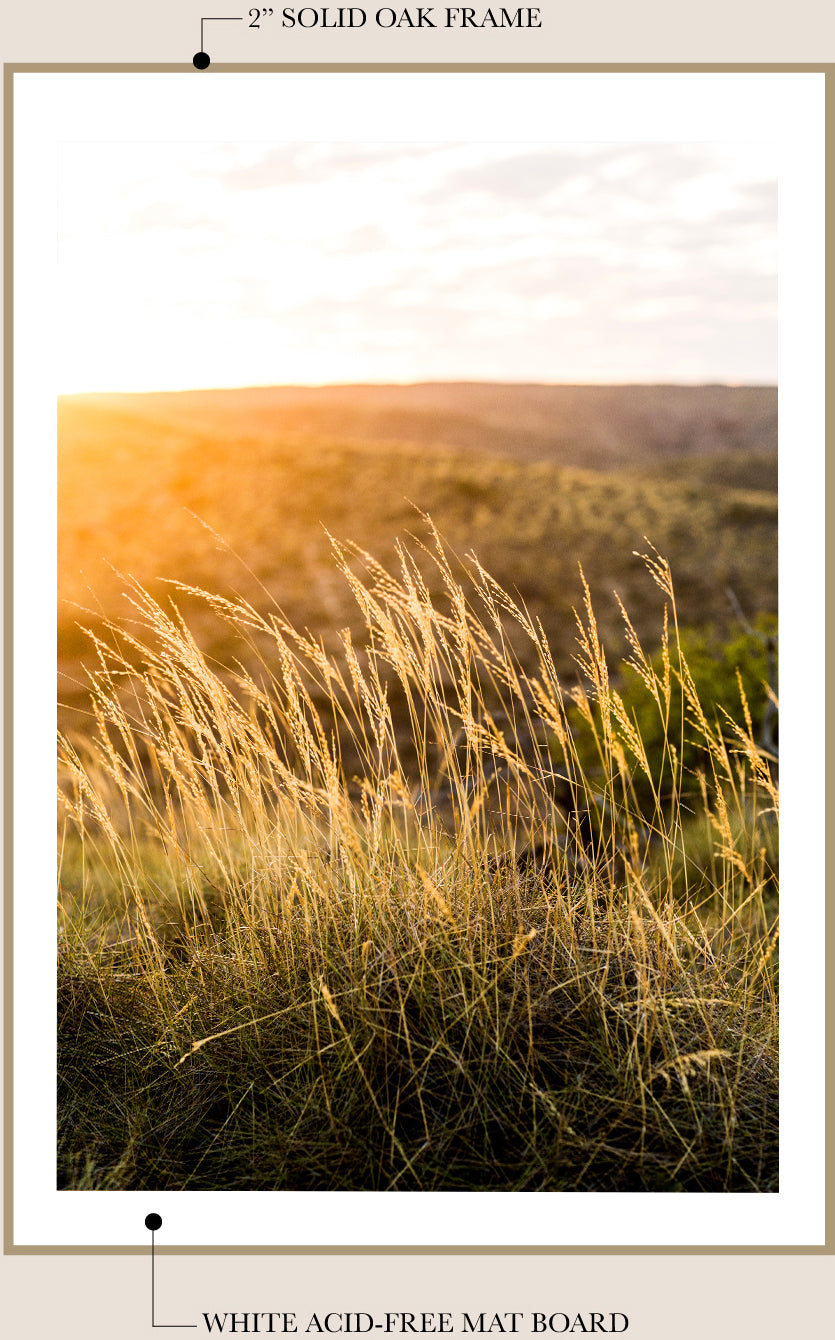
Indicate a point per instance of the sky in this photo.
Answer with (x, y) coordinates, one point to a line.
(197, 265)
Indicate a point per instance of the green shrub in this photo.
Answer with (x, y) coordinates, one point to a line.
(734, 681)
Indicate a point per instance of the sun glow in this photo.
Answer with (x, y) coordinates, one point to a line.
(190, 265)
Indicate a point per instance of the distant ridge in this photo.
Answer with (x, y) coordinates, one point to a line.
(586, 425)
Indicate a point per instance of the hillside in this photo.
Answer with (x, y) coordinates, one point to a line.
(534, 479)
(570, 425)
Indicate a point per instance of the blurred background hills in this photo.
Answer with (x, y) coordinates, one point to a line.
(235, 491)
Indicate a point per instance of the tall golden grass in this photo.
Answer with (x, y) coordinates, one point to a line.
(375, 921)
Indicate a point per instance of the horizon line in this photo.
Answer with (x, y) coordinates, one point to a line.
(428, 381)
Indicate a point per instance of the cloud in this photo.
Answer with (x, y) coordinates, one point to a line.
(164, 214)
(313, 164)
(608, 172)
(369, 238)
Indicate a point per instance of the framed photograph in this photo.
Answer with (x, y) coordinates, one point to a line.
(420, 677)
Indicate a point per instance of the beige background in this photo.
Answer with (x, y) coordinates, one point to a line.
(586, 30)
(666, 1297)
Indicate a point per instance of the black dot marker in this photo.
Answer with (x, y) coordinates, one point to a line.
(153, 1221)
(201, 61)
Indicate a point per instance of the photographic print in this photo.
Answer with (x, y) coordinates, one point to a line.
(418, 666)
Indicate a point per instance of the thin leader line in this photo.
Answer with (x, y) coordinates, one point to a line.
(164, 1325)
(223, 18)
